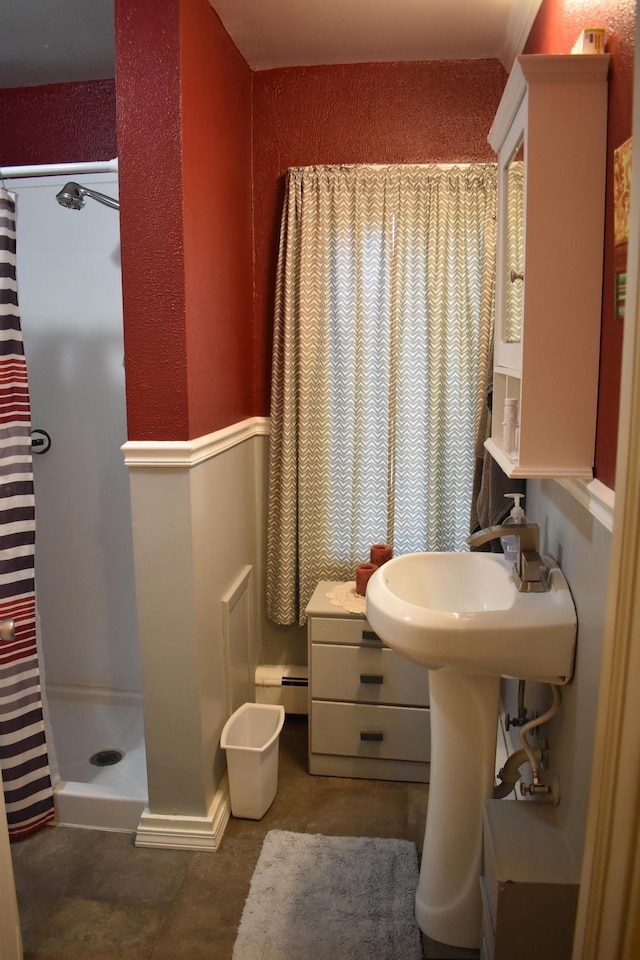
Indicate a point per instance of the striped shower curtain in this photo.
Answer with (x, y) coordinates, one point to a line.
(23, 752)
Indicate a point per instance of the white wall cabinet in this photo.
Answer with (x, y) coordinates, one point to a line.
(551, 127)
(369, 707)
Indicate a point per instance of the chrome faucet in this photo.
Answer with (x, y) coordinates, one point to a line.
(530, 571)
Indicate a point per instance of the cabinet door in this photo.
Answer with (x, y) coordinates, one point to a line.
(511, 253)
(550, 137)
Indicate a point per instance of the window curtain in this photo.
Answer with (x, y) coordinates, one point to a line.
(382, 332)
(23, 752)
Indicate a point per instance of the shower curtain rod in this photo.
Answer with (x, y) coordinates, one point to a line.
(60, 169)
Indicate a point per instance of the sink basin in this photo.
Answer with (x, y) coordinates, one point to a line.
(463, 612)
(462, 616)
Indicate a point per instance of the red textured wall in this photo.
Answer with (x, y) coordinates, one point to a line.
(216, 131)
(357, 113)
(557, 26)
(184, 137)
(58, 123)
(151, 217)
(184, 116)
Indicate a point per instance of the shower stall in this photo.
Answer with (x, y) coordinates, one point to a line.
(69, 288)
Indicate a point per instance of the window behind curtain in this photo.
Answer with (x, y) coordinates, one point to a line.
(383, 324)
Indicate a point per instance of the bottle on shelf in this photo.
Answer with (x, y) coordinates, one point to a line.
(516, 517)
(509, 426)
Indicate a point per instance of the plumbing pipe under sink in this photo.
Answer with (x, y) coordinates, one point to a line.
(536, 787)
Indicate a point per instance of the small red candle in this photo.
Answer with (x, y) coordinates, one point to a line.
(380, 553)
(363, 572)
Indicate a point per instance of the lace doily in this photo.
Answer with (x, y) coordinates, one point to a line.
(344, 595)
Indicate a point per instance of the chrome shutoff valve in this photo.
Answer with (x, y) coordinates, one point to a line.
(535, 789)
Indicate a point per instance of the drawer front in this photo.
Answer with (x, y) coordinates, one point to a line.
(366, 674)
(364, 730)
(335, 630)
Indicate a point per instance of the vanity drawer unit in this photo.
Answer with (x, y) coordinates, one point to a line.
(530, 883)
(369, 707)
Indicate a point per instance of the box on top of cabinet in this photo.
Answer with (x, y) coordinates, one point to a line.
(531, 881)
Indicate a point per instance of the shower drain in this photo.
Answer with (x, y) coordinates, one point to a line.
(106, 758)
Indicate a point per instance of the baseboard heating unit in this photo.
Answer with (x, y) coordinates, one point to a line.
(286, 684)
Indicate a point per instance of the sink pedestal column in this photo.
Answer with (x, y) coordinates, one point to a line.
(464, 717)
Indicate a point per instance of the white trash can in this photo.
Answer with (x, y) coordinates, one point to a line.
(250, 737)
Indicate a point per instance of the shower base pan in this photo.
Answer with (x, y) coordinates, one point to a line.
(86, 722)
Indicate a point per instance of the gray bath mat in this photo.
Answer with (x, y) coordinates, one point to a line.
(331, 898)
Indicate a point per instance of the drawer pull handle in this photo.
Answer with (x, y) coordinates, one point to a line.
(371, 678)
(371, 636)
(372, 736)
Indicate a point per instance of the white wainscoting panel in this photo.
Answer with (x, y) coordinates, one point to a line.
(239, 640)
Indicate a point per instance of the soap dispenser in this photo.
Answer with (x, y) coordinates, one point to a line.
(516, 517)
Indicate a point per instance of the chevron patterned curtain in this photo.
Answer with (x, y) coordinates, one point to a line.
(383, 323)
(515, 250)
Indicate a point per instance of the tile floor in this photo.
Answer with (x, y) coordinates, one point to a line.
(92, 895)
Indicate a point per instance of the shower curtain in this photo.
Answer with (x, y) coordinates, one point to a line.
(24, 761)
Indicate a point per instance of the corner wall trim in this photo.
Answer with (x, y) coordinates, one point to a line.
(183, 454)
(595, 496)
(521, 19)
(174, 832)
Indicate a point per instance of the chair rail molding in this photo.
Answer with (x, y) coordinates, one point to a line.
(189, 453)
(595, 496)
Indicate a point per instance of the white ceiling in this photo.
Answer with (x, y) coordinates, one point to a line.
(54, 41)
(285, 33)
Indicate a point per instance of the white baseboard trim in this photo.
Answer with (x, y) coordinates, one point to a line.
(174, 832)
(188, 453)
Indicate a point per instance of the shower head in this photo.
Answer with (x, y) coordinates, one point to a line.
(72, 196)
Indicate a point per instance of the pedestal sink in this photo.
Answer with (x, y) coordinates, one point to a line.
(461, 615)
